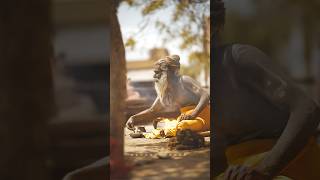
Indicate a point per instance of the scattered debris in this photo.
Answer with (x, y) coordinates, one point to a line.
(141, 129)
(163, 155)
(186, 139)
(136, 135)
(138, 132)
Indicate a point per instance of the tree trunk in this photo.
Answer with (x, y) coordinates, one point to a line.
(118, 91)
(26, 89)
(206, 47)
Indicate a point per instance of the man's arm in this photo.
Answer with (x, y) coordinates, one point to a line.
(148, 115)
(265, 79)
(96, 171)
(303, 121)
(196, 89)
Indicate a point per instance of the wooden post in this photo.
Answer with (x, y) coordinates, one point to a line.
(118, 95)
(26, 89)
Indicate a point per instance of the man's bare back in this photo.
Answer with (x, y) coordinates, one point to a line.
(255, 100)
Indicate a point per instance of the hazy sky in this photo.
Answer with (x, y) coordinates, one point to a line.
(150, 37)
(130, 18)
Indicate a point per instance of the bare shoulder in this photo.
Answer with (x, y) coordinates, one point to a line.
(248, 55)
(189, 81)
(191, 84)
(156, 106)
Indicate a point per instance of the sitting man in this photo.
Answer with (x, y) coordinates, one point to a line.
(264, 124)
(181, 96)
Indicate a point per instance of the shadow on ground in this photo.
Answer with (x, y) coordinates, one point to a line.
(185, 164)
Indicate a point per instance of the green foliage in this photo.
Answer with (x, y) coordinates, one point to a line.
(179, 11)
(187, 24)
(191, 70)
(130, 2)
(152, 6)
(198, 56)
(198, 62)
(188, 40)
(131, 42)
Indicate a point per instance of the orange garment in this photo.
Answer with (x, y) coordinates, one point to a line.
(304, 166)
(200, 123)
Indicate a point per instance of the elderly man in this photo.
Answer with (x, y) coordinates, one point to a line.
(181, 96)
(265, 123)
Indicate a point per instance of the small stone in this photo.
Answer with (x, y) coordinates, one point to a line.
(163, 156)
(136, 135)
(141, 129)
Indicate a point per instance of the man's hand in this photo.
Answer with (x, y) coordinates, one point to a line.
(244, 173)
(186, 117)
(130, 124)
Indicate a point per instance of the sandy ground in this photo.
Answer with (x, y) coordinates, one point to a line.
(172, 164)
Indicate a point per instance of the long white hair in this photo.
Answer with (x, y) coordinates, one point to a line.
(162, 85)
(163, 92)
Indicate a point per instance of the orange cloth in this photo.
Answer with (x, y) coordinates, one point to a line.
(304, 167)
(200, 123)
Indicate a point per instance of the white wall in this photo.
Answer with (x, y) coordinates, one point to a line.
(140, 75)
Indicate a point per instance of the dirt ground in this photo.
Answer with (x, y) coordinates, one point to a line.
(153, 159)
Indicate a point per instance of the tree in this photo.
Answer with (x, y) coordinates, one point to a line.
(189, 22)
(118, 93)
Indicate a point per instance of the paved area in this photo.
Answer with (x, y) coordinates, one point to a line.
(153, 159)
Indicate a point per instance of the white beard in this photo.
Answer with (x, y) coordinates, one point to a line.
(162, 90)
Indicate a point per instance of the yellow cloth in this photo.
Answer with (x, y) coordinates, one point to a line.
(155, 134)
(169, 130)
(303, 167)
(200, 123)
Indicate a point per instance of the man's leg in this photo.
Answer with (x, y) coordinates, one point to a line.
(200, 123)
(194, 125)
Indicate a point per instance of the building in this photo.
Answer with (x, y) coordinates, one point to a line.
(81, 41)
(142, 70)
(78, 134)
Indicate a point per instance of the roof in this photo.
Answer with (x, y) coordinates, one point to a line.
(139, 65)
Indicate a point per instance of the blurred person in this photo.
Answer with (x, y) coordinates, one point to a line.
(265, 124)
(187, 101)
(95, 171)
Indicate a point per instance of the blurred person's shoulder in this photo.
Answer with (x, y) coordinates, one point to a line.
(243, 59)
(251, 61)
(247, 54)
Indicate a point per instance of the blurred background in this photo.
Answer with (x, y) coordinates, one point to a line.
(288, 31)
(78, 131)
(54, 73)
